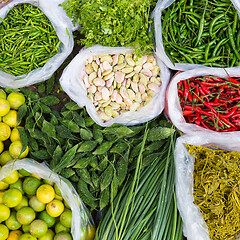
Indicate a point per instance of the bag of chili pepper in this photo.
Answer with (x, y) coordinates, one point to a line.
(205, 100)
(206, 175)
(35, 39)
(192, 33)
(115, 85)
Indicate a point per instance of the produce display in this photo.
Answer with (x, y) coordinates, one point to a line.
(124, 175)
(27, 40)
(121, 83)
(9, 127)
(211, 102)
(95, 159)
(144, 208)
(31, 208)
(113, 23)
(202, 32)
(216, 190)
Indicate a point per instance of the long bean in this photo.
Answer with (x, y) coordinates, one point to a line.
(27, 40)
(208, 27)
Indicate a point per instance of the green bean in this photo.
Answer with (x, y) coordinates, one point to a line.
(25, 43)
(203, 24)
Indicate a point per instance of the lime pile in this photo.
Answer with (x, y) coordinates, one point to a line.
(32, 208)
(9, 127)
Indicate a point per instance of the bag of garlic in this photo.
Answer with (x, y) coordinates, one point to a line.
(115, 85)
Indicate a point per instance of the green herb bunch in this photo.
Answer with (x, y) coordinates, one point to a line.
(96, 160)
(113, 23)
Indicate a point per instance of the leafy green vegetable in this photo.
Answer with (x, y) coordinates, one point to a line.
(113, 23)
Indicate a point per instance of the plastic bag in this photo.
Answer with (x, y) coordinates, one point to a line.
(160, 6)
(63, 27)
(173, 108)
(194, 226)
(80, 215)
(72, 83)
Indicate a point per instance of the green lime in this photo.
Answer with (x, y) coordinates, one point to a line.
(26, 215)
(48, 236)
(66, 218)
(50, 221)
(59, 228)
(36, 205)
(48, 182)
(4, 107)
(26, 228)
(3, 94)
(17, 185)
(3, 232)
(63, 236)
(4, 212)
(5, 157)
(27, 236)
(23, 203)
(56, 189)
(5, 131)
(12, 222)
(12, 178)
(16, 99)
(30, 185)
(38, 228)
(12, 197)
(24, 172)
(1, 146)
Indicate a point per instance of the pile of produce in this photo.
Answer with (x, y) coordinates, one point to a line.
(9, 127)
(95, 159)
(113, 23)
(202, 32)
(27, 40)
(216, 190)
(211, 102)
(121, 83)
(32, 208)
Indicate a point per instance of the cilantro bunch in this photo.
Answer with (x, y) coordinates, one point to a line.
(113, 23)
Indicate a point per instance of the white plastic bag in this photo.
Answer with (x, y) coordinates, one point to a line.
(72, 83)
(80, 216)
(194, 226)
(63, 27)
(160, 6)
(173, 108)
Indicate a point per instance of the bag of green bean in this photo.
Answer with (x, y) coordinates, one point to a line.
(35, 39)
(192, 33)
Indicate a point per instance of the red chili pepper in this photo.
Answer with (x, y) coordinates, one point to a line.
(236, 98)
(195, 94)
(188, 113)
(208, 79)
(186, 89)
(204, 88)
(228, 130)
(219, 79)
(180, 91)
(215, 104)
(210, 107)
(209, 84)
(205, 125)
(230, 113)
(233, 80)
(225, 120)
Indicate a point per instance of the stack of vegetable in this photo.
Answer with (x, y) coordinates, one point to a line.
(211, 102)
(113, 23)
(95, 159)
(216, 190)
(202, 32)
